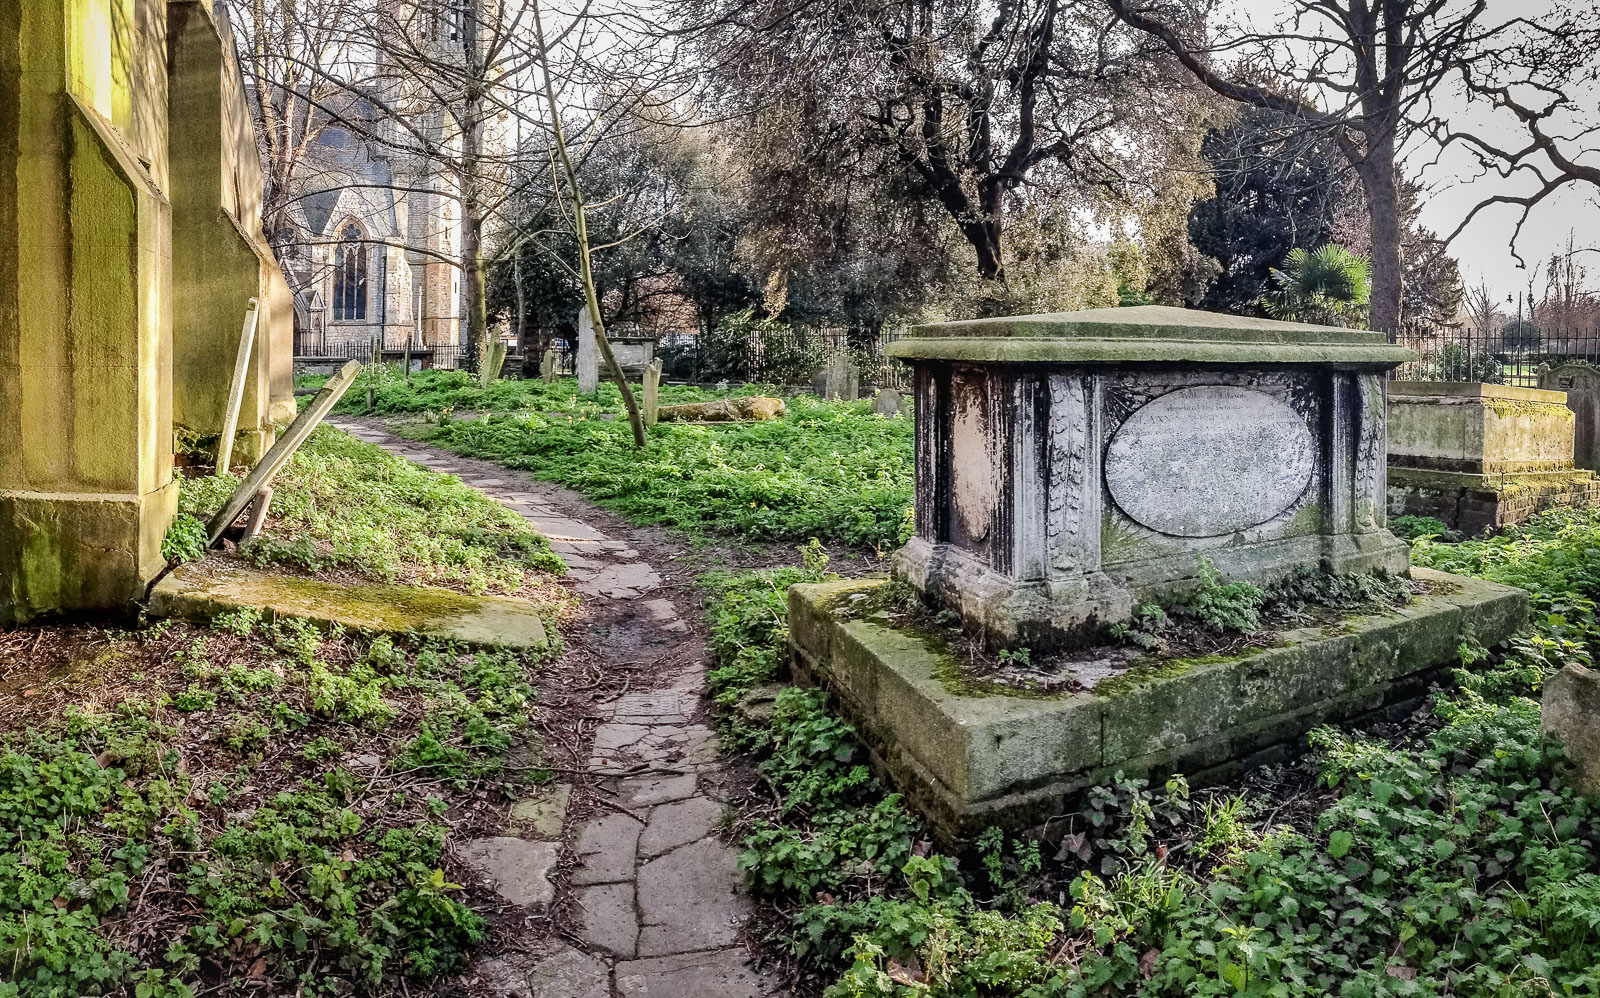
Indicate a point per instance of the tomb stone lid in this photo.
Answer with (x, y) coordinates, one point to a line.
(1146, 334)
(1475, 390)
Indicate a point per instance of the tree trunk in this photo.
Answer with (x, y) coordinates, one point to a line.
(472, 271)
(1376, 174)
(580, 230)
(531, 352)
(989, 266)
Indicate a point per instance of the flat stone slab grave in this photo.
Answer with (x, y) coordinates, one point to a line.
(970, 760)
(204, 590)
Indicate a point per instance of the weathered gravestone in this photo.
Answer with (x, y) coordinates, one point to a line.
(1581, 382)
(887, 403)
(1072, 467)
(652, 392)
(841, 380)
(588, 355)
(547, 365)
(1570, 710)
(633, 354)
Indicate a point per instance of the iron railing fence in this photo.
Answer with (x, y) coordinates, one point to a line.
(1515, 356)
(308, 350)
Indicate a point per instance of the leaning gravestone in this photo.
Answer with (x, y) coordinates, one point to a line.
(547, 365)
(588, 355)
(1581, 382)
(887, 403)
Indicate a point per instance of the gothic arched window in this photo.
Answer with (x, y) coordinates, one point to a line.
(350, 275)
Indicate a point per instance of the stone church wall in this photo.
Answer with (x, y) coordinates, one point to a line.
(220, 255)
(87, 298)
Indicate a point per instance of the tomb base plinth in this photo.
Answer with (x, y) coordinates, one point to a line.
(1478, 504)
(971, 759)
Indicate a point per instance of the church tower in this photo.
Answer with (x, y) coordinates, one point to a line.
(435, 40)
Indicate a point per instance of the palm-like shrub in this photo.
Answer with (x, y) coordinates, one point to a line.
(1328, 285)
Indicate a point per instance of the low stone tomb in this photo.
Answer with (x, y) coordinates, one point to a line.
(1478, 456)
(1073, 468)
(633, 354)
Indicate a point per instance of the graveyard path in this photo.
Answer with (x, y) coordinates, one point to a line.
(639, 883)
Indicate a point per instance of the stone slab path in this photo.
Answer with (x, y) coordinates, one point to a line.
(658, 894)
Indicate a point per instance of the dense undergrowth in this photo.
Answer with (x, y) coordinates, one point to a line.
(832, 470)
(342, 503)
(263, 809)
(1458, 862)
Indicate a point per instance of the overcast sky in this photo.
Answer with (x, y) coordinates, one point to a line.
(1455, 187)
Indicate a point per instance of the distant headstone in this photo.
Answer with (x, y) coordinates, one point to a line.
(1569, 709)
(887, 403)
(588, 355)
(842, 380)
(547, 366)
(1581, 382)
(652, 392)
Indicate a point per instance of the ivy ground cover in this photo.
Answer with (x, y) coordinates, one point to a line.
(249, 809)
(265, 808)
(341, 504)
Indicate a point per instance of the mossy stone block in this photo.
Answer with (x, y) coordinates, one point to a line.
(968, 759)
(203, 590)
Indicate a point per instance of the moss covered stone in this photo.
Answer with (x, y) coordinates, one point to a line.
(202, 591)
(1145, 334)
(968, 758)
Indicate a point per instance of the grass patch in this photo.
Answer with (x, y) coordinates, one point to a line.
(831, 470)
(342, 503)
(256, 809)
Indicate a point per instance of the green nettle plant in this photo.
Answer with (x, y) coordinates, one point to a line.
(185, 539)
(1223, 606)
(1329, 285)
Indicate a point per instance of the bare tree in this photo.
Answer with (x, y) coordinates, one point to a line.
(1363, 72)
(1540, 77)
(300, 67)
(426, 81)
(1482, 309)
(569, 196)
(1568, 302)
(978, 106)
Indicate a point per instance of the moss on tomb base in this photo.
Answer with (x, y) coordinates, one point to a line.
(969, 758)
(1475, 504)
(202, 591)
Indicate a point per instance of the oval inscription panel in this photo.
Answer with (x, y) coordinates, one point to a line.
(1199, 462)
